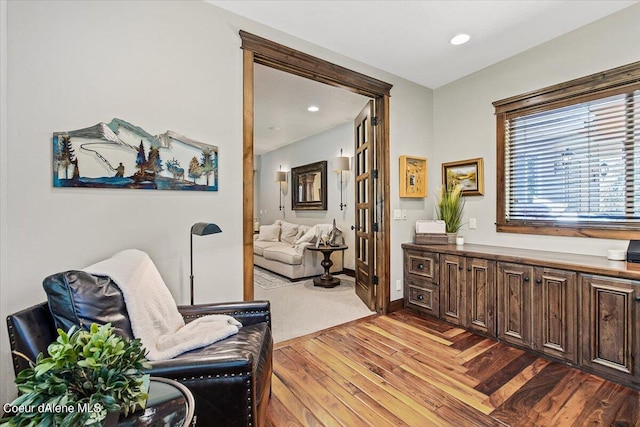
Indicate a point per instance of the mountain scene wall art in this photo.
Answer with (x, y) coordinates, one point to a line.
(119, 154)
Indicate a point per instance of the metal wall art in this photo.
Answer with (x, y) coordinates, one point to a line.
(119, 154)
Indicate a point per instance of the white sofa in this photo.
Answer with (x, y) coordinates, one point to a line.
(281, 248)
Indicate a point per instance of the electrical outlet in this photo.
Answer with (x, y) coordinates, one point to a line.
(472, 224)
(399, 285)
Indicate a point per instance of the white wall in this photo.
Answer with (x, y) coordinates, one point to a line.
(161, 65)
(322, 146)
(605, 44)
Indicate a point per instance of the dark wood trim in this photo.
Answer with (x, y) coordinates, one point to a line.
(349, 272)
(247, 173)
(266, 52)
(620, 77)
(280, 57)
(396, 305)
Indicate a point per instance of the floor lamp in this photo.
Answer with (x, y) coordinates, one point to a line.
(200, 229)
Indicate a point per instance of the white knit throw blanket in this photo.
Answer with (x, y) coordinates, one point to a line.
(153, 312)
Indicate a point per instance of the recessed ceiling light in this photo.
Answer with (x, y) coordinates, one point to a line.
(460, 39)
(313, 109)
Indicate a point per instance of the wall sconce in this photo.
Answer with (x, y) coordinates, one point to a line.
(281, 177)
(199, 229)
(341, 164)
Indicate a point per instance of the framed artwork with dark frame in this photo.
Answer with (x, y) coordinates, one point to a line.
(468, 173)
(413, 176)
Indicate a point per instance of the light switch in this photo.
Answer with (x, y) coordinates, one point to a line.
(404, 214)
(397, 214)
(472, 223)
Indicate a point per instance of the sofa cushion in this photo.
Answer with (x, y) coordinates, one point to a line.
(77, 298)
(269, 233)
(288, 232)
(283, 253)
(259, 246)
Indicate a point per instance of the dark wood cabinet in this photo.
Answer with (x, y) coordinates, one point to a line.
(610, 332)
(467, 292)
(537, 309)
(452, 289)
(421, 286)
(481, 295)
(580, 309)
(555, 313)
(514, 303)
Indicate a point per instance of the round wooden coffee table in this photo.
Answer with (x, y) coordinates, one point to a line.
(326, 280)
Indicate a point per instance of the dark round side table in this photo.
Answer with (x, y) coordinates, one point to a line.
(170, 404)
(326, 280)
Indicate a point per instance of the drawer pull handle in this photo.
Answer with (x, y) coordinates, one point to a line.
(526, 278)
(420, 297)
(538, 281)
(638, 298)
(468, 268)
(420, 266)
(461, 268)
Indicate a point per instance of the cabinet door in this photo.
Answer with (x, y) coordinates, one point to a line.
(481, 295)
(452, 299)
(514, 303)
(610, 333)
(555, 315)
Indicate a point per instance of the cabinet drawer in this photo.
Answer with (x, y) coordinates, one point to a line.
(422, 264)
(425, 298)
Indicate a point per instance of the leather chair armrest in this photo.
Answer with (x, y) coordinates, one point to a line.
(247, 313)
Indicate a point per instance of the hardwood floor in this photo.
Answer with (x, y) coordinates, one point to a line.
(403, 370)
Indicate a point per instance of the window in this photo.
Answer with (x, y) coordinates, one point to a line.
(569, 158)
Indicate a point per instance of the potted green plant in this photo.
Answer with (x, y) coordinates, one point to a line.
(449, 207)
(87, 375)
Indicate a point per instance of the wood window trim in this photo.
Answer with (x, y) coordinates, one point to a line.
(257, 50)
(616, 80)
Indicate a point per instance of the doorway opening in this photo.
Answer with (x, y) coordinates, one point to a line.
(261, 51)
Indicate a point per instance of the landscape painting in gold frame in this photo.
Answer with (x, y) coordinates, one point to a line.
(469, 173)
(413, 176)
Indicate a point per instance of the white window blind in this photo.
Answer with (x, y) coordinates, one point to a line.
(579, 163)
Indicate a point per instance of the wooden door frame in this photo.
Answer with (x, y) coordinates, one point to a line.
(257, 50)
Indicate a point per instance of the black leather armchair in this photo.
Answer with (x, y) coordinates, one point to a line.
(230, 379)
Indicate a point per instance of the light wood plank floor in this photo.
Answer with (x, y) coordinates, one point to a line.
(403, 370)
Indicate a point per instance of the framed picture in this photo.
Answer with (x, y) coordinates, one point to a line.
(469, 173)
(413, 176)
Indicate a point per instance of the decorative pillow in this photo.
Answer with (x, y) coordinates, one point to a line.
(289, 232)
(79, 298)
(269, 233)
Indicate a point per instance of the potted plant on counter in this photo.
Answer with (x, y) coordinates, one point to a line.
(87, 375)
(449, 207)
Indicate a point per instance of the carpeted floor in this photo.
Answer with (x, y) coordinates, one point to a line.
(299, 308)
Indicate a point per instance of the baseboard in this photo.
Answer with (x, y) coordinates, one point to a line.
(349, 272)
(396, 305)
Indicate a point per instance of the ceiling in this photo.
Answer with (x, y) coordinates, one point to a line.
(281, 102)
(409, 39)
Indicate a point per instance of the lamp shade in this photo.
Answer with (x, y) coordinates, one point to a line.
(281, 176)
(341, 164)
(204, 228)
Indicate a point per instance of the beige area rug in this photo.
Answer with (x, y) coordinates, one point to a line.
(300, 308)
